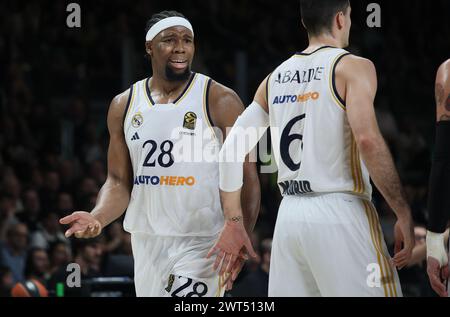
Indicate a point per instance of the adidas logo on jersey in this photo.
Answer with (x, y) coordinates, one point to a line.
(135, 137)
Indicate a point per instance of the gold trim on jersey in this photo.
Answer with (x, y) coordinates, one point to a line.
(186, 92)
(205, 112)
(330, 80)
(132, 92)
(359, 170)
(144, 89)
(388, 266)
(352, 165)
(377, 250)
(355, 164)
(375, 232)
(179, 99)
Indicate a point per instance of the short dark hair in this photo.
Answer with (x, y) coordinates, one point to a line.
(317, 15)
(160, 16)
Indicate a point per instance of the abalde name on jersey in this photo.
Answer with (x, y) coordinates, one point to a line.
(300, 76)
(164, 180)
(295, 187)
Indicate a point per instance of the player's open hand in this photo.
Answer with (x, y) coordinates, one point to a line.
(82, 224)
(237, 267)
(404, 242)
(438, 276)
(227, 248)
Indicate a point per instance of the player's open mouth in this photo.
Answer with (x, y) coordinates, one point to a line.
(178, 63)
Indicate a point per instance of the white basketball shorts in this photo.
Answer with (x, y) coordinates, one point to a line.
(330, 245)
(174, 266)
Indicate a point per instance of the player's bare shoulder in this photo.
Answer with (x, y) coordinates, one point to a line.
(220, 95)
(443, 92)
(351, 65)
(224, 105)
(355, 74)
(117, 108)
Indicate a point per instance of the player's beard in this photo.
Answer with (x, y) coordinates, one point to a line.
(172, 76)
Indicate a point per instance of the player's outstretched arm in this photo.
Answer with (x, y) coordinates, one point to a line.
(438, 198)
(114, 195)
(225, 107)
(360, 80)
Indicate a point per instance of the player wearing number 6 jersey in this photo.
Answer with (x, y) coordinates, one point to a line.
(163, 168)
(326, 142)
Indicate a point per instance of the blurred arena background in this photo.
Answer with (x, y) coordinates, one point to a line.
(56, 84)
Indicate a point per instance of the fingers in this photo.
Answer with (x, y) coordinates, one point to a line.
(80, 234)
(231, 263)
(249, 247)
(237, 269)
(213, 250)
(231, 278)
(401, 258)
(83, 231)
(92, 230)
(219, 259)
(229, 286)
(397, 245)
(437, 285)
(434, 271)
(226, 280)
(69, 232)
(70, 218)
(76, 227)
(225, 263)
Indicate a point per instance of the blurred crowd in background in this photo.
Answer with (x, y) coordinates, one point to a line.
(56, 84)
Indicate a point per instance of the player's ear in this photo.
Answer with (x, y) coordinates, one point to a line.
(340, 20)
(148, 48)
(303, 23)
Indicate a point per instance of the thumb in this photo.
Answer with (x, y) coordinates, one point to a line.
(249, 247)
(398, 244)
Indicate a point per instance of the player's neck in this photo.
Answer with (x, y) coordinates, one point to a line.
(318, 41)
(166, 87)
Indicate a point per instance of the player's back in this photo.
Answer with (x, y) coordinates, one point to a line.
(312, 141)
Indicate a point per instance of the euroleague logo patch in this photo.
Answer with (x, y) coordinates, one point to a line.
(137, 120)
(190, 119)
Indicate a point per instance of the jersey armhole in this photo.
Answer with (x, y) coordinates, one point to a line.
(267, 89)
(129, 101)
(206, 101)
(335, 93)
(206, 112)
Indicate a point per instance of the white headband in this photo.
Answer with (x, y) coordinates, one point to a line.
(165, 24)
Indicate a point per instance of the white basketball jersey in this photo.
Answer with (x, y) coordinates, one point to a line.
(173, 151)
(312, 142)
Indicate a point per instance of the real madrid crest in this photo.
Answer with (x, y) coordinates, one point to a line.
(190, 118)
(137, 120)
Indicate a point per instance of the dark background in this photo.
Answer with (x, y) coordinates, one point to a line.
(56, 84)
